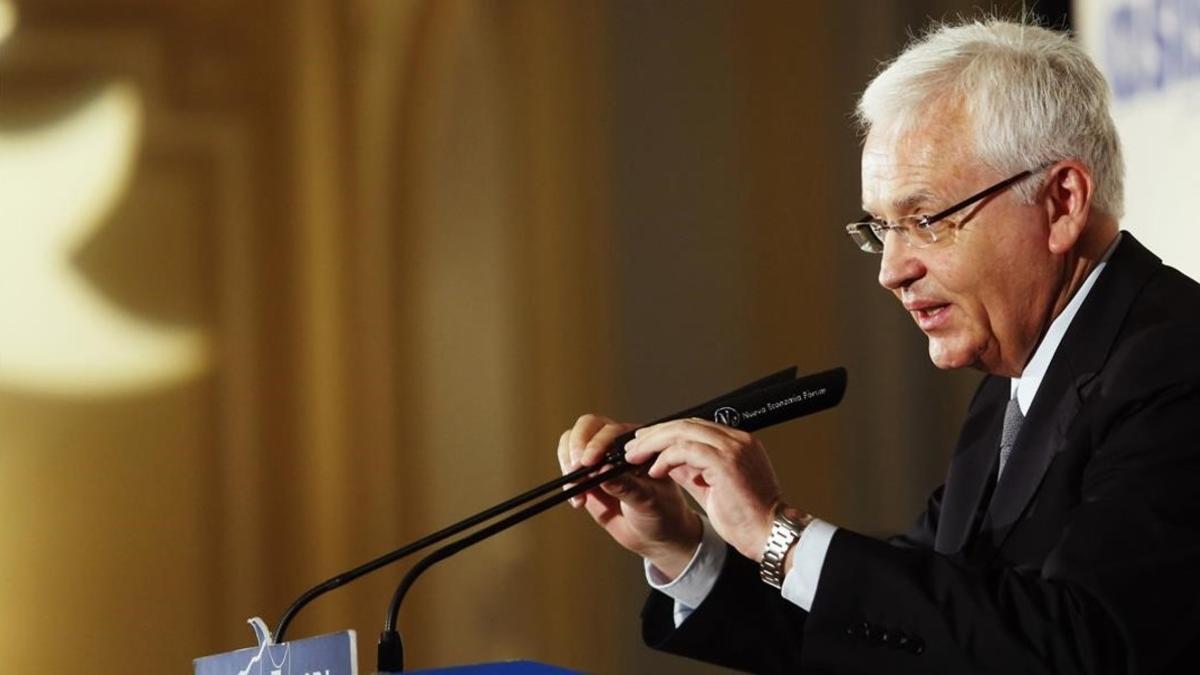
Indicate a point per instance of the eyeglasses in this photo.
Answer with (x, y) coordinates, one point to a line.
(916, 230)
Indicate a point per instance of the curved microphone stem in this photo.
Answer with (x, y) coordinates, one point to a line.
(493, 529)
(426, 541)
(391, 647)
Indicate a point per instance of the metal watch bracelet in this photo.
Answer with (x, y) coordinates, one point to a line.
(785, 532)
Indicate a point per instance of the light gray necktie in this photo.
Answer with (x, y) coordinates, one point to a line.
(1013, 419)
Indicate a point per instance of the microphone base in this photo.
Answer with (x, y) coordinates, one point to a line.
(391, 652)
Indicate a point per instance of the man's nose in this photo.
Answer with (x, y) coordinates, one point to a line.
(899, 264)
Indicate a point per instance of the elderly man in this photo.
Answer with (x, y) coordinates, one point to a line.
(1066, 537)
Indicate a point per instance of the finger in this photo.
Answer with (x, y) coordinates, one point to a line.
(646, 445)
(564, 452)
(699, 493)
(696, 456)
(695, 423)
(602, 507)
(701, 421)
(693, 427)
(585, 428)
(601, 442)
(631, 489)
(683, 474)
(567, 465)
(693, 482)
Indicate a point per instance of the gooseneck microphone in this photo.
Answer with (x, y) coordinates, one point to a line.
(749, 409)
(781, 377)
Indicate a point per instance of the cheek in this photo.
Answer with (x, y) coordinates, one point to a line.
(965, 344)
(971, 281)
(978, 315)
(960, 289)
(970, 334)
(1008, 293)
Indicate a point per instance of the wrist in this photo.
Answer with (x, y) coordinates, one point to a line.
(671, 558)
(777, 553)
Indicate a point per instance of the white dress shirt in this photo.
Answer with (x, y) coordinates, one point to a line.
(690, 588)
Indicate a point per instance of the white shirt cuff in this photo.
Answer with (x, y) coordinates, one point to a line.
(693, 585)
(800, 584)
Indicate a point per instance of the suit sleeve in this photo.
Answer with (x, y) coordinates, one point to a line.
(743, 623)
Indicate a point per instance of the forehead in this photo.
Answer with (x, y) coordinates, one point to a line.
(903, 169)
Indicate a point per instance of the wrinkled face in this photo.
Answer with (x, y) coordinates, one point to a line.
(984, 294)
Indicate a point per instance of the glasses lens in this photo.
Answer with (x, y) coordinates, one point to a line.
(920, 231)
(864, 237)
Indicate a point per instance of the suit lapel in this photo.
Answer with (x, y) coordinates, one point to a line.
(971, 467)
(1079, 356)
(1042, 435)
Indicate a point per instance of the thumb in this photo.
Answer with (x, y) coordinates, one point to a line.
(631, 489)
(694, 484)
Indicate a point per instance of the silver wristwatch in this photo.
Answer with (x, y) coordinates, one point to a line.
(789, 523)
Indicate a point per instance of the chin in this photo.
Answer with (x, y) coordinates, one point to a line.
(949, 356)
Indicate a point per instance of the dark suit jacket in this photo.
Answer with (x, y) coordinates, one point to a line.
(1084, 558)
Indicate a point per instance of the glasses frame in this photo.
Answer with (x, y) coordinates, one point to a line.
(872, 240)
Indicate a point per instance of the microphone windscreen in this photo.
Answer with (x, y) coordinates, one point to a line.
(780, 402)
(774, 399)
(782, 377)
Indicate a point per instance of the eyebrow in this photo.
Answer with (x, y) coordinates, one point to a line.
(912, 201)
(909, 202)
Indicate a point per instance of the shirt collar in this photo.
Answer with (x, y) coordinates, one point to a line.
(1025, 387)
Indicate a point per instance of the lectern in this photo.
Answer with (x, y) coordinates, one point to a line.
(332, 654)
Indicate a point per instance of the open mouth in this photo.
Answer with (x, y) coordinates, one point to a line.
(931, 317)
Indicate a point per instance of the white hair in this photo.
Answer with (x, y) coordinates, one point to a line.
(1032, 95)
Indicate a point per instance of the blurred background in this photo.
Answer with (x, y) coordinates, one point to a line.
(285, 284)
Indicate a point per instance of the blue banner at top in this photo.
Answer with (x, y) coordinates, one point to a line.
(1151, 45)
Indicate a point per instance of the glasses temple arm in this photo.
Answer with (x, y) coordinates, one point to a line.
(977, 196)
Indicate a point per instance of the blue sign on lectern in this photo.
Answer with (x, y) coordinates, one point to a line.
(332, 654)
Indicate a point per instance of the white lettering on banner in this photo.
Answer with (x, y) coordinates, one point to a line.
(776, 405)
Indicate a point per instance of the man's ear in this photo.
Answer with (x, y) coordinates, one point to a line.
(1067, 199)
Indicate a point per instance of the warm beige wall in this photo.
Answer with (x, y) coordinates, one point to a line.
(419, 238)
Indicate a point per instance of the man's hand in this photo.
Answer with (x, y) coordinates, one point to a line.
(648, 516)
(727, 472)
